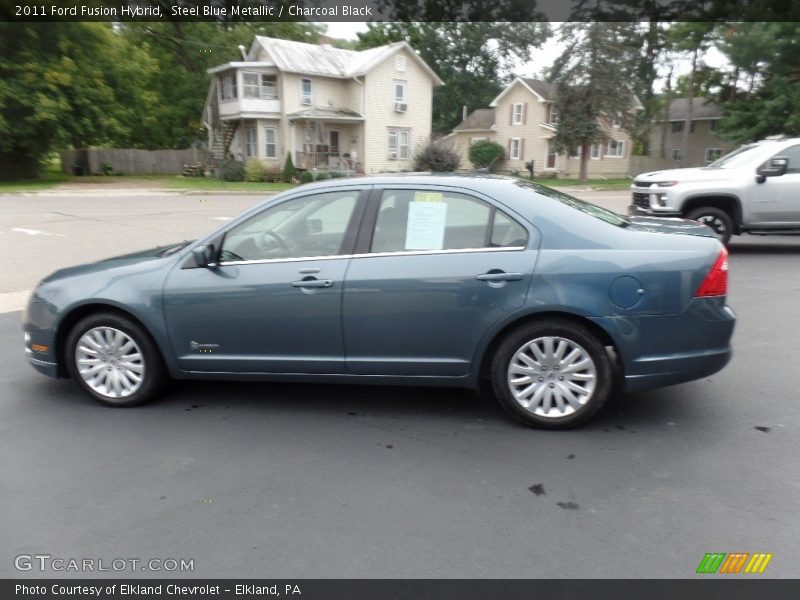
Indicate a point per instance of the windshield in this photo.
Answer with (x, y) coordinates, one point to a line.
(598, 212)
(736, 158)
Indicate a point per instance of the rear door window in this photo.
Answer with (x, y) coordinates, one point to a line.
(429, 220)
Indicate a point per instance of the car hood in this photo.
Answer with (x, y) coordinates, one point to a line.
(156, 253)
(684, 175)
(665, 225)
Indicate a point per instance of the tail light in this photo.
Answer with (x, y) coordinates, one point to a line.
(716, 281)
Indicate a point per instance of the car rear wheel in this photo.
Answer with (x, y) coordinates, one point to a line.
(114, 360)
(552, 375)
(715, 218)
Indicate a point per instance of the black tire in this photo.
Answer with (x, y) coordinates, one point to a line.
(575, 337)
(153, 372)
(715, 218)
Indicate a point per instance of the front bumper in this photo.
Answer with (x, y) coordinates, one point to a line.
(638, 211)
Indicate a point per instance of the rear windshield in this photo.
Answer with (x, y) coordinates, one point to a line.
(598, 212)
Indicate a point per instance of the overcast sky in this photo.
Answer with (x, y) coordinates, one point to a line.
(543, 57)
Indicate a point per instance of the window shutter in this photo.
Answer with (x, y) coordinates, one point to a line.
(522, 149)
(525, 114)
(511, 115)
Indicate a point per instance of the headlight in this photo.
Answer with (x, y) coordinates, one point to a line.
(664, 184)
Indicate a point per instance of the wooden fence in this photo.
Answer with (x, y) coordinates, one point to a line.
(129, 161)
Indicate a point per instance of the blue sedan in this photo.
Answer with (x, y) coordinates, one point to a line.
(421, 280)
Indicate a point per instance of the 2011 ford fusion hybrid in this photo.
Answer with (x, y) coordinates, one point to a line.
(423, 280)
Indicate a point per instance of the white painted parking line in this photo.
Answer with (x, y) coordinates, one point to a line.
(13, 301)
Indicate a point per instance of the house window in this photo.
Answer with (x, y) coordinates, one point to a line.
(400, 63)
(259, 85)
(615, 148)
(676, 154)
(691, 127)
(250, 146)
(514, 153)
(596, 152)
(616, 121)
(517, 115)
(552, 157)
(305, 91)
(399, 91)
(677, 126)
(553, 117)
(229, 86)
(713, 154)
(713, 125)
(575, 152)
(270, 142)
(399, 146)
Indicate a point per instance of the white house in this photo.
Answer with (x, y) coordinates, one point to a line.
(330, 108)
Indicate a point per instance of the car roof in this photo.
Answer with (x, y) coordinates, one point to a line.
(475, 181)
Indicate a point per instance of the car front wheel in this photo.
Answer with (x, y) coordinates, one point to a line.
(552, 375)
(114, 360)
(715, 218)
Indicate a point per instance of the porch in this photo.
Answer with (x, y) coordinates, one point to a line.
(327, 139)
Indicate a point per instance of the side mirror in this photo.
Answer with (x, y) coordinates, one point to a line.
(776, 167)
(313, 225)
(203, 256)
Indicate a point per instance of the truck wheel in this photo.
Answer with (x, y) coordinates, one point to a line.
(717, 219)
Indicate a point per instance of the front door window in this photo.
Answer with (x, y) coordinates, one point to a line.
(303, 227)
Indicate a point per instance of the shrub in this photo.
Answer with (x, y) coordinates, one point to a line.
(485, 154)
(306, 177)
(323, 176)
(289, 172)
(336, 174)
(231, 170)
(254, 170)
(273, 175)
(437, 158)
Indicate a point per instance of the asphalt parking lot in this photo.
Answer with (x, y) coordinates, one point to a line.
(312, 481)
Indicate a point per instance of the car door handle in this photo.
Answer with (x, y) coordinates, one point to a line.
(312, 283)
(501, 276)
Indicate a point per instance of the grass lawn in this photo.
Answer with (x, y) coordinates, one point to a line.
(21, 186)
(599, 184)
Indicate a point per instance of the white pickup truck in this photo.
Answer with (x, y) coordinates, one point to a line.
(755, 189)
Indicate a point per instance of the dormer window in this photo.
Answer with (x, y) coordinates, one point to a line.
(228, 91)
(616, 121)
(305, 91)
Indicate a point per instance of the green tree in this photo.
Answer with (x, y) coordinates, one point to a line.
(762, 89)
(592, 84)
(473, 59)
(67, 84)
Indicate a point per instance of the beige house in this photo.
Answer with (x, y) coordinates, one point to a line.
(704, 146)
(332, 109)
(523, 119)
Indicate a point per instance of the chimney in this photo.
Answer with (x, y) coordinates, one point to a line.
(464, 113)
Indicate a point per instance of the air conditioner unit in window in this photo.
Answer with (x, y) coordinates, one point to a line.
(392, 155)
(400, 107)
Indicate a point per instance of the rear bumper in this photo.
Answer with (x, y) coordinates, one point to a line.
(691, 345)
